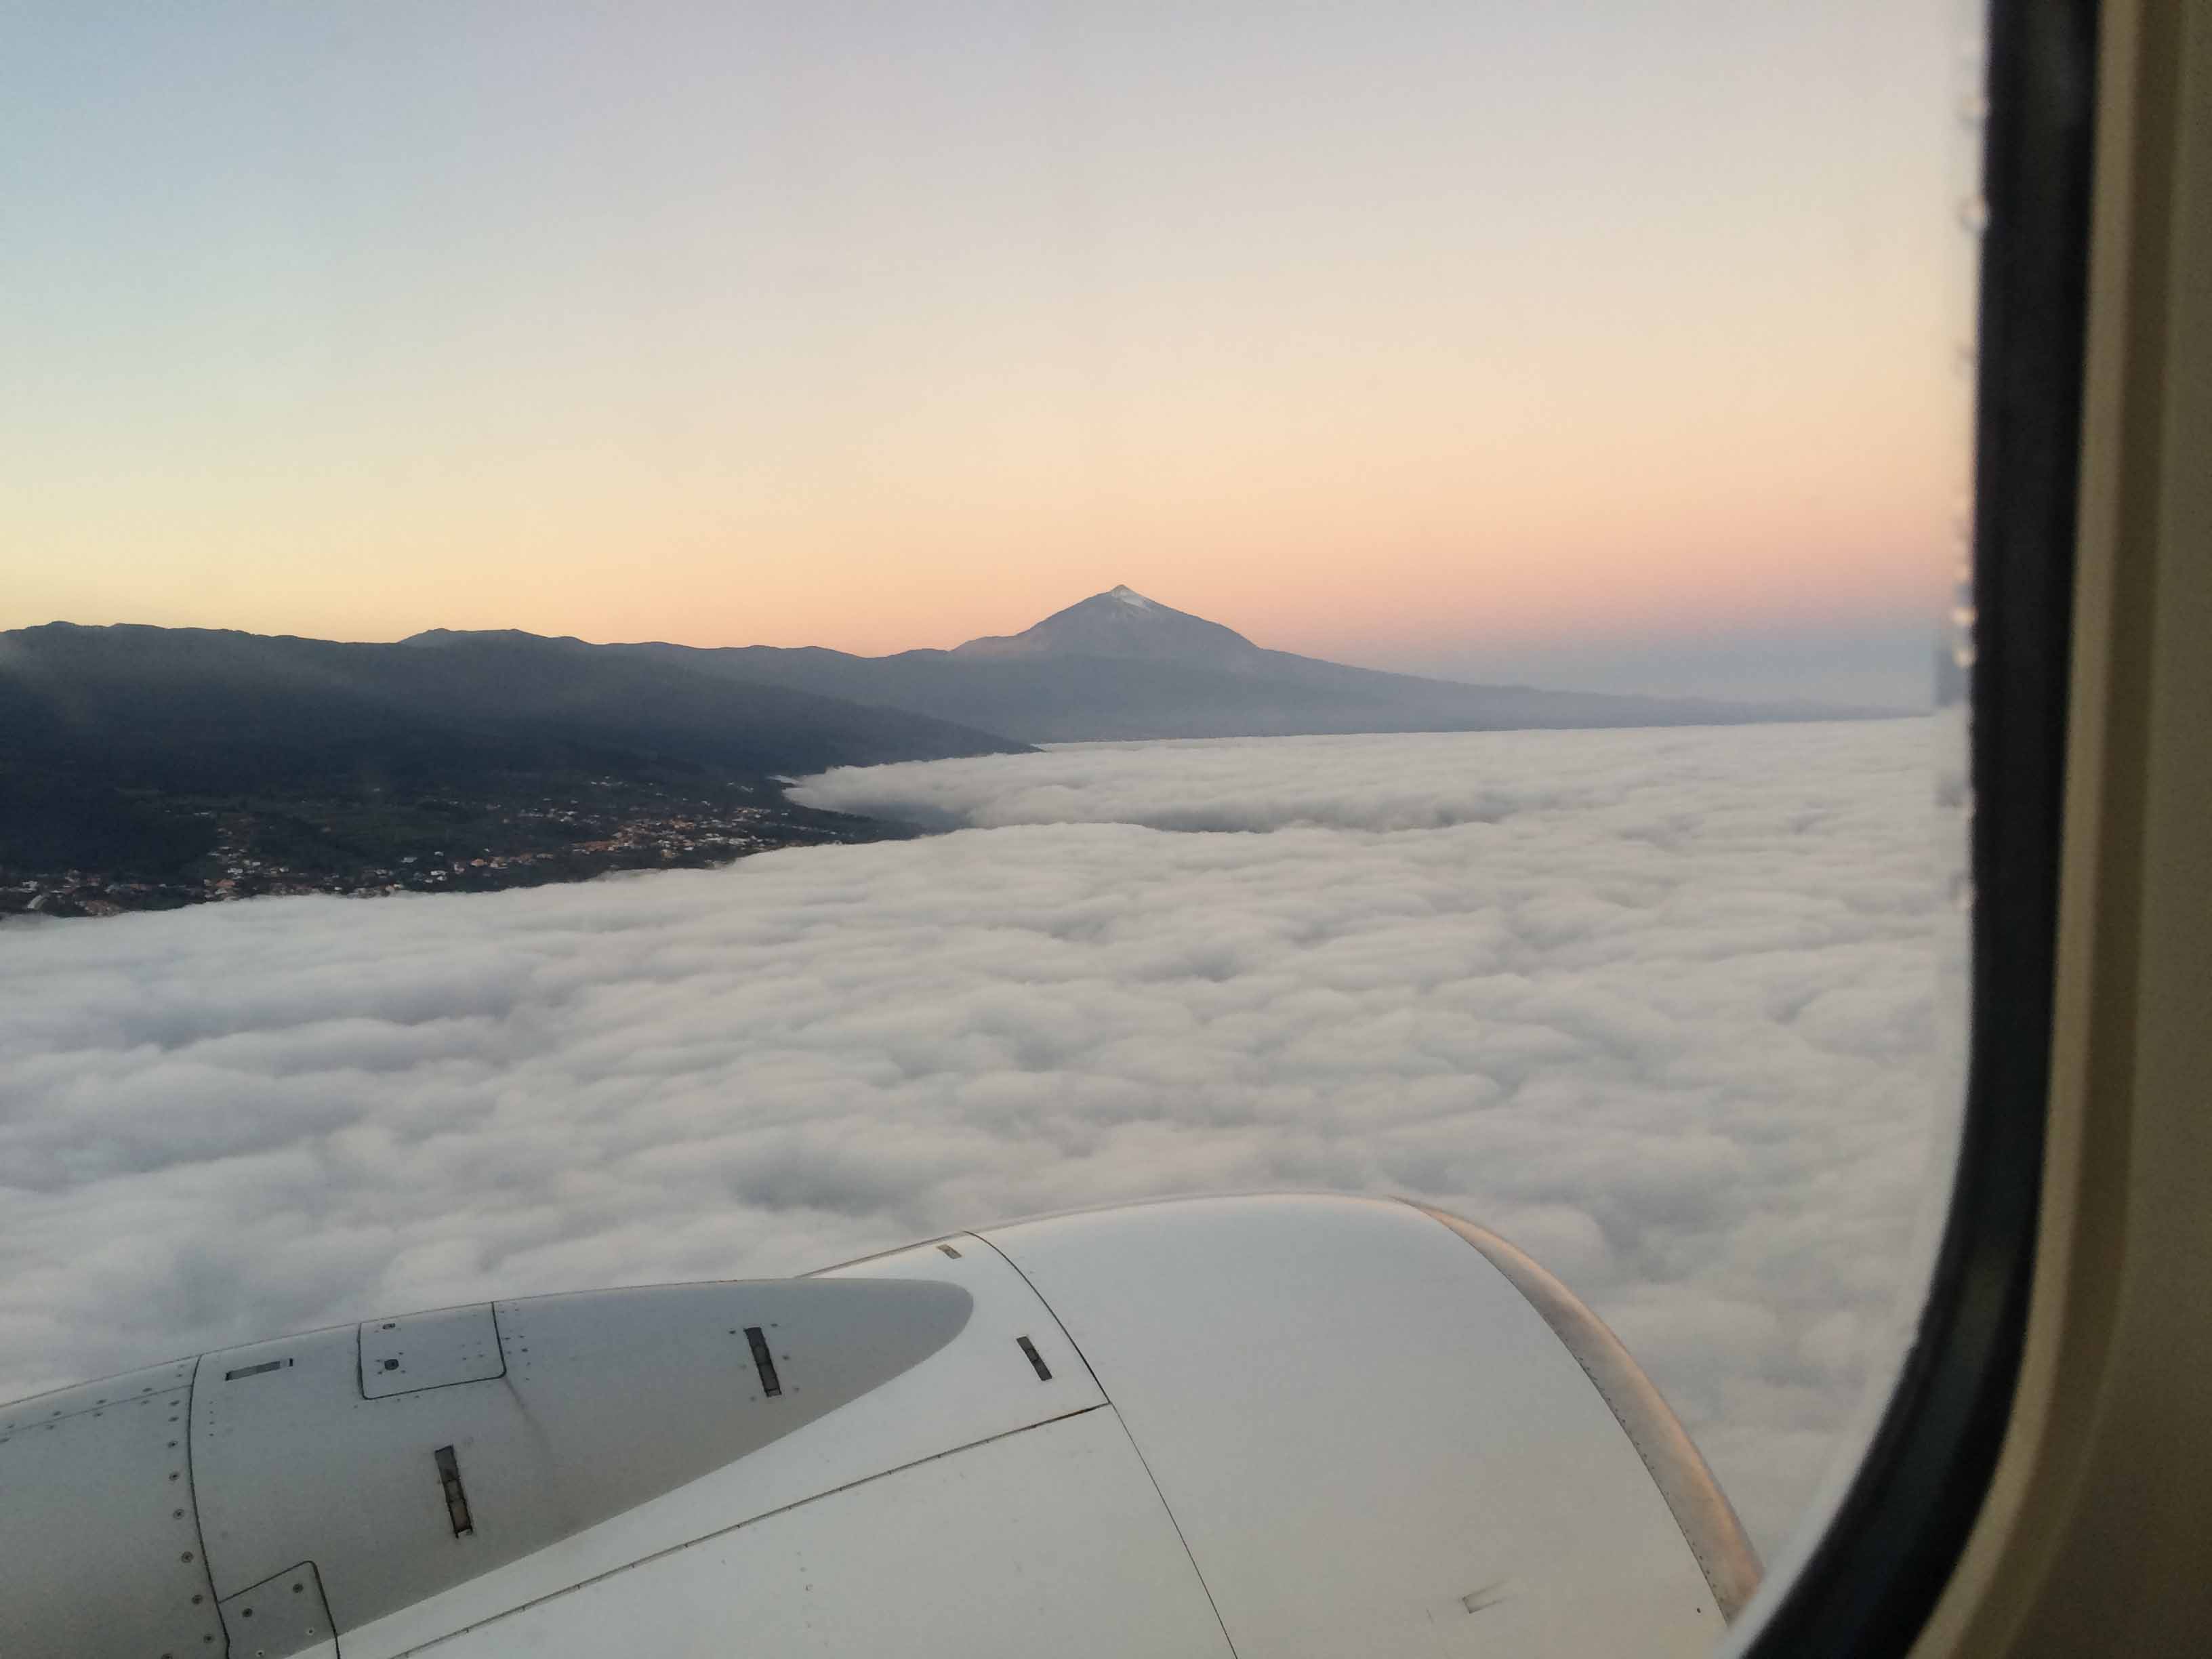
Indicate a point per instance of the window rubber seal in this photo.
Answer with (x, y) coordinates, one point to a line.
(1869, 1583)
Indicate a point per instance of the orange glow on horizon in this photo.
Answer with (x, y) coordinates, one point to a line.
(898, 351)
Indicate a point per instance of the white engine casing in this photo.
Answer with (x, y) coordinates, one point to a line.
(1280, 1426)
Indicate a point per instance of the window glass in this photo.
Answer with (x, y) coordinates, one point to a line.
(1213, 598)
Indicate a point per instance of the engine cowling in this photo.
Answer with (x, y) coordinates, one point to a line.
(1283, 1425)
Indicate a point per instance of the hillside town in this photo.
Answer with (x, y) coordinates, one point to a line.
(294, 849)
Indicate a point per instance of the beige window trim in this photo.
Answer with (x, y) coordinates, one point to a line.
(2095, 1535)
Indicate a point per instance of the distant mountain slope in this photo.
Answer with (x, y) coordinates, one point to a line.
(201, 709)
(1118, 666)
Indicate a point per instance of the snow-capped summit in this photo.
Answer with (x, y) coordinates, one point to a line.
(1122, 622)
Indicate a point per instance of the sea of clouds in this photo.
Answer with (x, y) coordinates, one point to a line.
(1658, 1005)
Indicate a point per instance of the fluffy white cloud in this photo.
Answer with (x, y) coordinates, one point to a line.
(1657, 1005)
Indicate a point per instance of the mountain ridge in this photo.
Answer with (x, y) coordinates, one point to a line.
(1119, 665)
(138, 706)
(109, 733)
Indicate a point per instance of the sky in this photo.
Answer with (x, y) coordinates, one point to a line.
(1660, 1007)
(1608, 345)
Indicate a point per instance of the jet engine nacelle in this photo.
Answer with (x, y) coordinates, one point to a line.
(1257, 1426)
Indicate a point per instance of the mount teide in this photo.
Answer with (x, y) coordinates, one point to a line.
(1123, 623)
(1121, 666)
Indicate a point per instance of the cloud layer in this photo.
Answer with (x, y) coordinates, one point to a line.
(1656, 1005)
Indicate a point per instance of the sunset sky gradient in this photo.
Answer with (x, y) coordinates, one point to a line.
(1606, 344)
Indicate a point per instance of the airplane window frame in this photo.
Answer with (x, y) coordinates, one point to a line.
(1869, 1583)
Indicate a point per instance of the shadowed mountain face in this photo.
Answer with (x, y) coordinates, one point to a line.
(198, 709)
(1120, 666)
(91, 718)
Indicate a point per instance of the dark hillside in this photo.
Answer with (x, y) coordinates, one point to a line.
(180, 756)
(190, 708)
